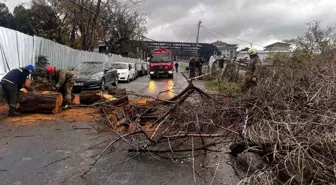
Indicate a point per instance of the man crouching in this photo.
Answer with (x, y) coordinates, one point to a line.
(64, 81)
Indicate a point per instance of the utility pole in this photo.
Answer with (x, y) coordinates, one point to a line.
(198, 29)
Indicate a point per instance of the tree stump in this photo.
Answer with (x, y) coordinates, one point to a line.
(40, 102)
(117, 92)
(90, 97)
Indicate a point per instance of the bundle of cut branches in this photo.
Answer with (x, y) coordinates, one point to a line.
(292, 121)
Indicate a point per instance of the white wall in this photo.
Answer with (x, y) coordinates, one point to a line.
(262, 54)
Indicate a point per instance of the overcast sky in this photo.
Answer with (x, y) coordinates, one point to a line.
(260, 22)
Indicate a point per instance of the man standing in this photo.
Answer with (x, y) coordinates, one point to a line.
(200, 66)
(176, 67)
(250, 75)
(11, 83)
(64, 83)
(192, 67)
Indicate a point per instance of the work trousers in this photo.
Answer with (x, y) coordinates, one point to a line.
(11, 94)
(192, 72)
(199, 71)
(66, 90)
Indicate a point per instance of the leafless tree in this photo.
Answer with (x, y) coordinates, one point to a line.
(316, 38)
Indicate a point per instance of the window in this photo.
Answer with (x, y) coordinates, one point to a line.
(119, 66)
(161, 58)
(90, 66)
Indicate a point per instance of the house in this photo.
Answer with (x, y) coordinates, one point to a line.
(226, 50)
(261, 53)
(278, 46)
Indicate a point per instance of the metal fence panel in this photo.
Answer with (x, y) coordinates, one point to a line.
(18, 49)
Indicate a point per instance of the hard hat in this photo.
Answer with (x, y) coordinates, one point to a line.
(50, 70)
(252, 51)
(30, 67)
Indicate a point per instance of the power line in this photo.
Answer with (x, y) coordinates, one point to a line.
(231, 36)
(190, 37)
(211, 34)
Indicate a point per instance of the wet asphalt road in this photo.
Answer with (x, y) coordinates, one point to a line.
(58, 153)
(163, 87)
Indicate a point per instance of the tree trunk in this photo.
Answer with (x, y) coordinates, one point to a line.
(94, 23)
(117, 92)
(90, 97)
(40, 102)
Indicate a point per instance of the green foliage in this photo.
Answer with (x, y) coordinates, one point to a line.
(41, 63)
(6, 18)
(23, 21)
(226, 88)
(114, 23)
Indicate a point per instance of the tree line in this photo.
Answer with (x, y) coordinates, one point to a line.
(80, 24)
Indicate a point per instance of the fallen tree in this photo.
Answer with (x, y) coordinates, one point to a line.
(189, 125)
(46, 102)
(280, 132)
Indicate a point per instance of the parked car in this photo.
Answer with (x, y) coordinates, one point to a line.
(126, 71)
(145, 68)
(95, 75)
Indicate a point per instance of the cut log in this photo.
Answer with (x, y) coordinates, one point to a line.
(23, 90)
(90, 97)
(42, 87)
(120, 102)
(75, 99)
(40, 102)
(117, 92)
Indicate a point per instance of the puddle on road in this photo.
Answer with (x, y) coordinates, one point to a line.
(164, 89)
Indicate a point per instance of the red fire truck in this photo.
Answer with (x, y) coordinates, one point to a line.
(161, 63)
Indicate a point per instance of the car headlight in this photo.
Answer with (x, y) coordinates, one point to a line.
(94, 78)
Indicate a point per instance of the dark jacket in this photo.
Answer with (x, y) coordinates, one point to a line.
(192, 63)
(199, 63)
(61, 76)
(17, 76)
(176, 65)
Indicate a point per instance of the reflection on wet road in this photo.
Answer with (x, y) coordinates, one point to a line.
(162, 88)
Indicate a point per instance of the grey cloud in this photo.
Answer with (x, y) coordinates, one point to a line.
(258, 21)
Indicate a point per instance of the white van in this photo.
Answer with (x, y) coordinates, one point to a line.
(126, 71)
